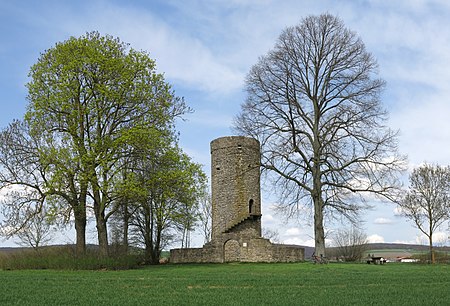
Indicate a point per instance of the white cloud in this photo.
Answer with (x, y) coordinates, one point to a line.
(412, 48)
(182, 56)
(210, 118)
(300, 236)
(404, 241)
(397, 211)
(214, 53)
(382, 220)
(205, 51)
(425, 131)
(439, 239)
(293, 231)
(375, 239)
(299, 241)
(267, 218)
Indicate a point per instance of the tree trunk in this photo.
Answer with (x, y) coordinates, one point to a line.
(102, 229)
(148, 254)
(99, 211)
(102, 234)
(432, 259)
(80, 228)
(148, 236)
(150, 249)
(126, 221)
(157, 245)
(319, 233)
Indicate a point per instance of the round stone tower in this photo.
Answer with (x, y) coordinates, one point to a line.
(236, 209)
(235, 184)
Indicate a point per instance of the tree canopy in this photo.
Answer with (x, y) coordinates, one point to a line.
(94, 103)
(313, 102)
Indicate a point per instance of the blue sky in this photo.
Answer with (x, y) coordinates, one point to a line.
(205, 48)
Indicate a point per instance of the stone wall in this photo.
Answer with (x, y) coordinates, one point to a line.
(192, 255)
(253, 250)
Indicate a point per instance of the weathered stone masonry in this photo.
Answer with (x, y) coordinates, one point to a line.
(236, 209)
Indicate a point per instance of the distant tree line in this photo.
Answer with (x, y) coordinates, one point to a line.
(98, 138)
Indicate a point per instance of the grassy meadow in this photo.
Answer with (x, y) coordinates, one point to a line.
(232, 284)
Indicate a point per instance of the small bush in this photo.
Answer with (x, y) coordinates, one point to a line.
(64, 258)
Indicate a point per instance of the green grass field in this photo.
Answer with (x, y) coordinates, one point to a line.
(232, 284)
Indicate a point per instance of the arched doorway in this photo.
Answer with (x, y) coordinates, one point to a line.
(231, 251)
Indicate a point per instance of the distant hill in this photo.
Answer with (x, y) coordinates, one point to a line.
(12, 249)
(407, 248)
(16, 249)
(402, 248)
(415, 247)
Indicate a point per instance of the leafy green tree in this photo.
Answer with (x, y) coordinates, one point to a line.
(165, 187)
(89, 96)
(314, 104)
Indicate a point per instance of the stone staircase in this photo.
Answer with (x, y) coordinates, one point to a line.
(236, 223)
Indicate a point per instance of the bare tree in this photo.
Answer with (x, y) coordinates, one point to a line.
(37, 232)
(30, 179)
(187, 223)
(119, 225)
(271, 234)
(427, 201)
(351, 243)
(205, 216)
(313, 102)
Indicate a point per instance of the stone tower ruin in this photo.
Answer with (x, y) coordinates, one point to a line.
(235, 185)
(236, 209)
